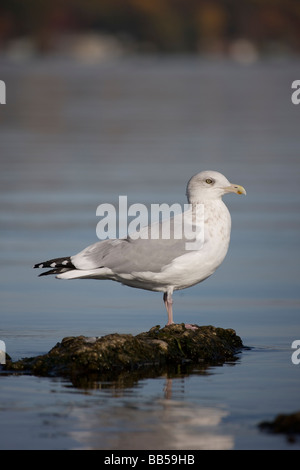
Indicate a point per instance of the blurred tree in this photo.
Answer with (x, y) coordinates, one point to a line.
(159, 25)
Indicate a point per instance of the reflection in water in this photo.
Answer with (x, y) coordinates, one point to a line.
(120, 381)
(171, 426)
(160, 423)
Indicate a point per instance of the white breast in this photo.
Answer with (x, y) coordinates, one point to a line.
(196, 265)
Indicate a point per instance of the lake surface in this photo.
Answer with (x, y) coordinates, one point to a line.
(73, 136)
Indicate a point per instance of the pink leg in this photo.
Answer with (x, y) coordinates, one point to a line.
(168, 303)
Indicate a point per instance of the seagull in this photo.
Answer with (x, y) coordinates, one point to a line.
(162, 264)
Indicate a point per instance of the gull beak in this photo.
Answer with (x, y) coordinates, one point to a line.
(235, 188)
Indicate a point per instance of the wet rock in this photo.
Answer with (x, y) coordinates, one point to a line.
(110, 355)
(288, 424)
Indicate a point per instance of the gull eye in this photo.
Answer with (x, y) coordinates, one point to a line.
(208, 181)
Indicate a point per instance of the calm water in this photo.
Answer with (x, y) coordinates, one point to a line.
(72, 137)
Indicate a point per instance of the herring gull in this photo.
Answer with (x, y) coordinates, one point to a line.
(161, 264)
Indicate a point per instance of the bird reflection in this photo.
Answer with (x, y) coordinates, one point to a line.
(159, 422)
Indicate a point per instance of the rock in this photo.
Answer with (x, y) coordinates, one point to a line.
(109, 355)
(288, 424)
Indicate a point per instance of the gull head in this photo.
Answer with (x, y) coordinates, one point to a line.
(210, 185)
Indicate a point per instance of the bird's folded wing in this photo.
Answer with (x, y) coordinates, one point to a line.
(131, 254)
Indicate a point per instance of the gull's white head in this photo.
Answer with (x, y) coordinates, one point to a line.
(210, 185)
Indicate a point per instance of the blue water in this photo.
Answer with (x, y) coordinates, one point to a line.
(73, 137)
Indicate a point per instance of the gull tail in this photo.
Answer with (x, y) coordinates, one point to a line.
(58, 265)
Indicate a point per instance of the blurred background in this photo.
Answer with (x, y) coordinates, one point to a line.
(132, 97)
(90, 29)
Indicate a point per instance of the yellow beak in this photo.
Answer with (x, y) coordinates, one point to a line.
(236, 188)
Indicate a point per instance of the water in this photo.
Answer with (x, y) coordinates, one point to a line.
(73, 137)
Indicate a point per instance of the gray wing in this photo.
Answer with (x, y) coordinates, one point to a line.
(128, 255)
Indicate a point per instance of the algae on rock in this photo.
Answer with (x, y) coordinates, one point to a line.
(111, 354)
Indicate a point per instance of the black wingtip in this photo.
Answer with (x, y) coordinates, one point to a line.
(39, 265)
(55, 263)
(53, 271)
(47, 273)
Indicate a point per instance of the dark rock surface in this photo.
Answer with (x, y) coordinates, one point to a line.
(109, 355)
(288, 424)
